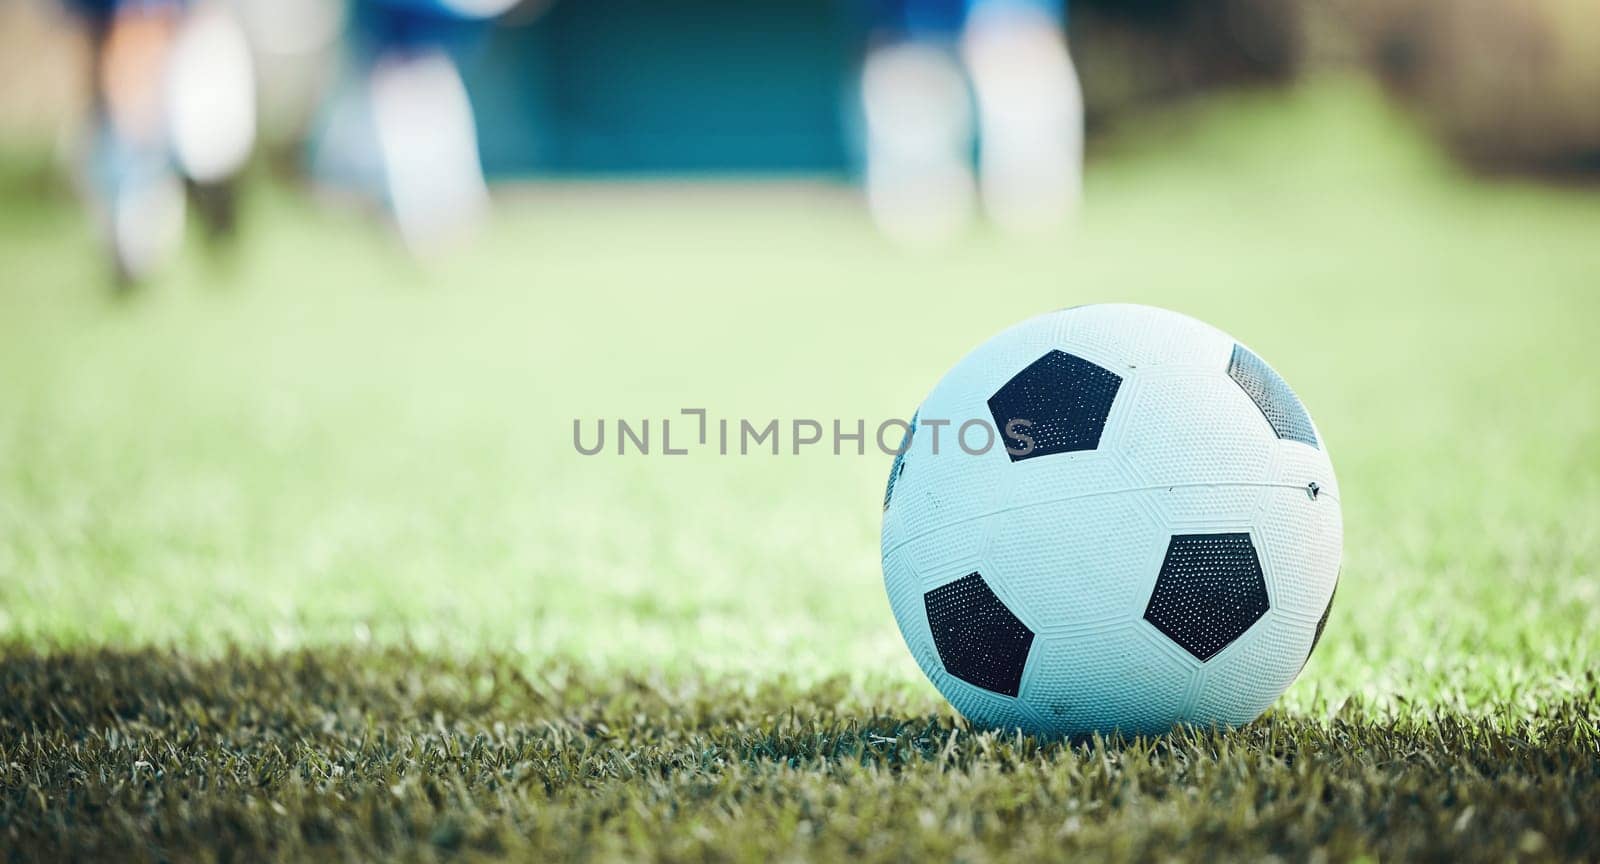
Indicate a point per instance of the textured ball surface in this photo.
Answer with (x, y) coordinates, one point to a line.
(1151, 538)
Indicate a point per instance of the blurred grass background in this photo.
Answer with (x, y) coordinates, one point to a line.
(319, 442)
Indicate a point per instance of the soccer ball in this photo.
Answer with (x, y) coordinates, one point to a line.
(1151, 537)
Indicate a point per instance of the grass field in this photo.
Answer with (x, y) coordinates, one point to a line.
(297, 559)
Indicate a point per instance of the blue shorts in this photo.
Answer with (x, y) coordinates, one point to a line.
(935, 19)
(413, 23)
(105, 10)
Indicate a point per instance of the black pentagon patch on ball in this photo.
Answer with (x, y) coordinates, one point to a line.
(1272, 395)
(1210, 591)
(899, 465)
(978, 639)
(1060, 403)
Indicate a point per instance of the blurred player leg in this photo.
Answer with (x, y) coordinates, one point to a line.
(342, 146)
(137, 197)
(295, 54)
(918, 116)
(1030, 113)
(429, 145)
(400, 128)
(211, 99)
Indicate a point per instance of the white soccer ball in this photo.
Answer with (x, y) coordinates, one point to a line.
(1151, 538)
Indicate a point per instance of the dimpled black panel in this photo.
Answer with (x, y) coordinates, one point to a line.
(1209, 592)
(899, 460)
(1272, 395)
(978, 639)
(1066, 398)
